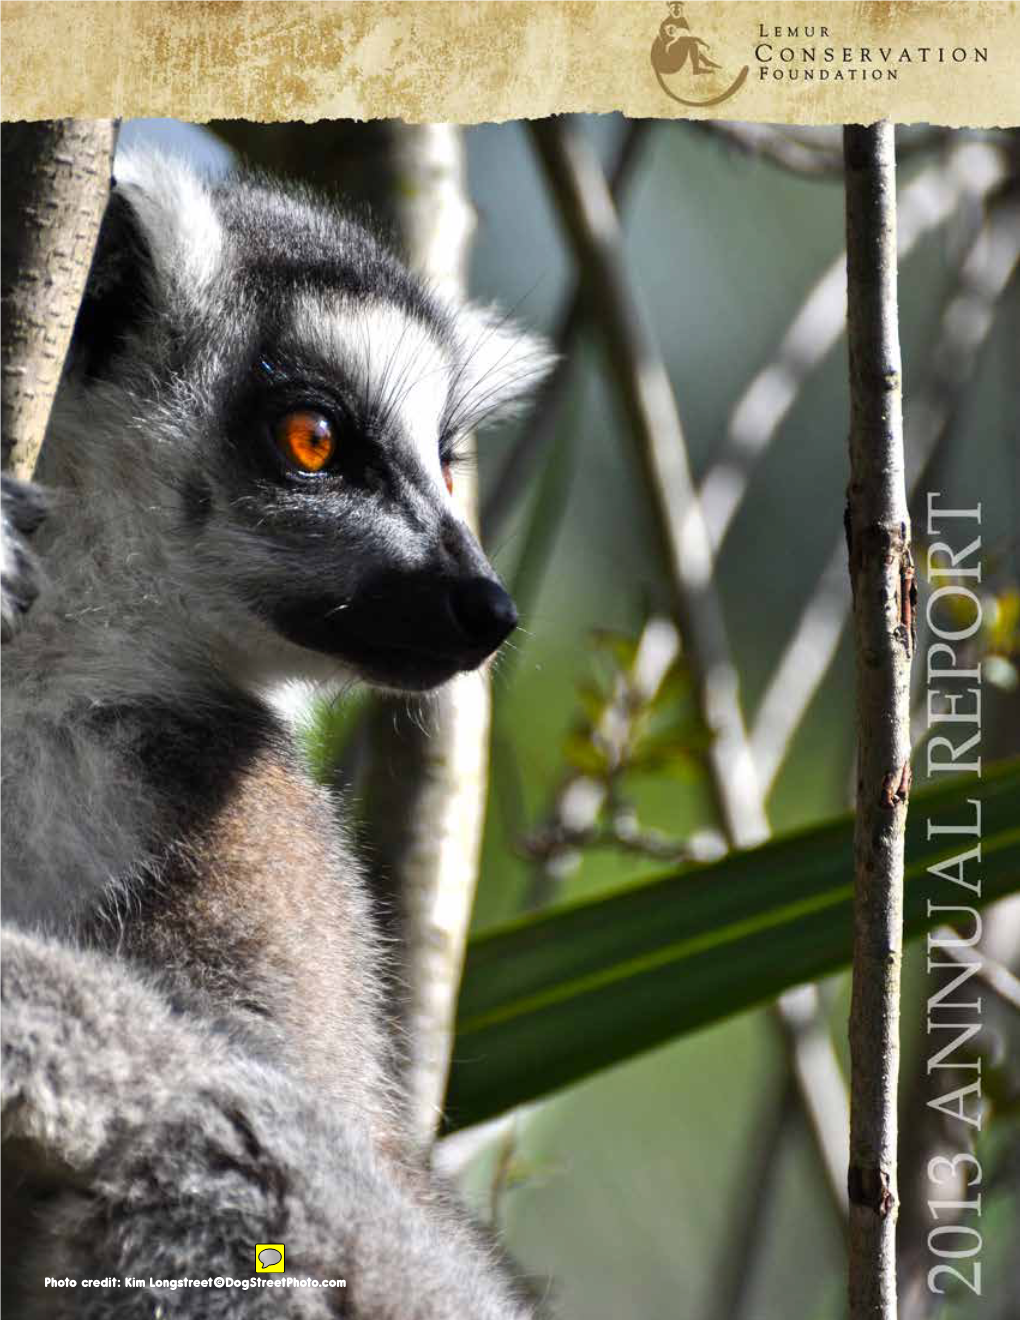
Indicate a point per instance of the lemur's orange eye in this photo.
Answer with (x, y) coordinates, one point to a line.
(448, 477)
(306, 440)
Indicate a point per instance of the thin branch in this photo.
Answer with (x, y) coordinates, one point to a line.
(537, 431)
(815, 158)
(622, 834)
(56, 184)
(579, 187)
(572, 824)
(769, 143)
(803, 664)
(966, 324)
(881, 574)
(453, 1154)
(744, 1239)
(542, 526)
(969, 172)
(820, 1085)
(999, 979)
(506, 1153)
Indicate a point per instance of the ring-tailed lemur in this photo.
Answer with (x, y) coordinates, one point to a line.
(249, 473)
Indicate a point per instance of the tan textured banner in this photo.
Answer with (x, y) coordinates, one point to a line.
(947, 63)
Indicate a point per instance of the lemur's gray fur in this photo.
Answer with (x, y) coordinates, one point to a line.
(194, 1045)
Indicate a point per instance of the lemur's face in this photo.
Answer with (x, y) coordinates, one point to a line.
(320, 394)
(336, 477)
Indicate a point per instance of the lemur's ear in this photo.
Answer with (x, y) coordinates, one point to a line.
(173, 210)
(160, 242)
(499, 365)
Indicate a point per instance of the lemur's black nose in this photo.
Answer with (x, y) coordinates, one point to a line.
(483, 611)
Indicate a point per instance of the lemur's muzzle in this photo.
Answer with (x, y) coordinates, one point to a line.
(408, 630)
(482, 611)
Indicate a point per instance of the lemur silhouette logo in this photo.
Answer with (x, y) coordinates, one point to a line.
(676, 48)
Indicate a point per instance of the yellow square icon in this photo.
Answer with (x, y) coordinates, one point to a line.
(268, 1257)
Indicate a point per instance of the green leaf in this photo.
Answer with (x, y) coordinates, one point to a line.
(555, 997)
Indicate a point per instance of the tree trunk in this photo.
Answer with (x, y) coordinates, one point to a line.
(56, 183)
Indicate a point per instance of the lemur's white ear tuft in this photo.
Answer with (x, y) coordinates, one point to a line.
(499, 365)
(176, 215)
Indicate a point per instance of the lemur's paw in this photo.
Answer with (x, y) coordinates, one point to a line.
(23, 509)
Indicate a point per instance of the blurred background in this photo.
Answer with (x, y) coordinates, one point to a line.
(631, 1194)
